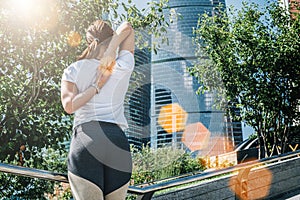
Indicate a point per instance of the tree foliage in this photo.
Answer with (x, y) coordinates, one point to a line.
(37, 42)
(254, 64)
(150, 165)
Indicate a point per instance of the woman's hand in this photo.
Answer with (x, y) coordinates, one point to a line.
(105, 70)
(71, 99)
(107, 63)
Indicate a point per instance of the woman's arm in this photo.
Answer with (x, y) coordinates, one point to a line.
(128, 42)
(124, 39)
(70, 98)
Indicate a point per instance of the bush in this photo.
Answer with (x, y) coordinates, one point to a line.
(150, 165)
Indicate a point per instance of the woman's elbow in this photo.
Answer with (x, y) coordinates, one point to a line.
(68, 110)
(68, 107)
(125, 27)
(129, 27)
(127, 24)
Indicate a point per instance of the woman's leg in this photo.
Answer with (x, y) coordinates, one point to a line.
(99, 154)
(118, 166)
(85, 170)
(83, 189)
(115, 183)
(119, 193)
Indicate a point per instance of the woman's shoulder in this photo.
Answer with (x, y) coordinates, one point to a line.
(125, 59)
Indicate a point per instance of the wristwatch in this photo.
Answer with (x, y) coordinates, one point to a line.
(96, 87)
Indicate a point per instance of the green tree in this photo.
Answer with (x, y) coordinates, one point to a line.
(253, 62)
(38, 40)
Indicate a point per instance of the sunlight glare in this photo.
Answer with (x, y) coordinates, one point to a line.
(42, 14)
(23, 7)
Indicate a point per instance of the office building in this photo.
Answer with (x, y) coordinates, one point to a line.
(137, 102)
(166, 81)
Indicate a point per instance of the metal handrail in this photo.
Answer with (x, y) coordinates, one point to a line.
(206, 175)
(33, 173)
(145, 192)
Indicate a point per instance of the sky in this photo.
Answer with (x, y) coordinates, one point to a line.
(238, 3)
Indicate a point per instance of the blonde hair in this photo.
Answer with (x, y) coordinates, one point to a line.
(99, 33)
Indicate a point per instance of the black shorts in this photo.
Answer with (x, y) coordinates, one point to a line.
(100, 153)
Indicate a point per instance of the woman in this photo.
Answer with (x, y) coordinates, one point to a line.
(94, 88)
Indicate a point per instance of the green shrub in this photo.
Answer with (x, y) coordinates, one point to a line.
(150, 165)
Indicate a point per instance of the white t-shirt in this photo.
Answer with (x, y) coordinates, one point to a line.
(108, 105)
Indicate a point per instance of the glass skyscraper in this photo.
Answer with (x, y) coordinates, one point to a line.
(171, 81)
(137, 102)
(162, 79)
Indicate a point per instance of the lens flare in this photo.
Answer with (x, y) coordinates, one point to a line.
(74, 39)
(172, 118)
(218, 145)
(196, 136)
(252, 184)
(219, 153)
